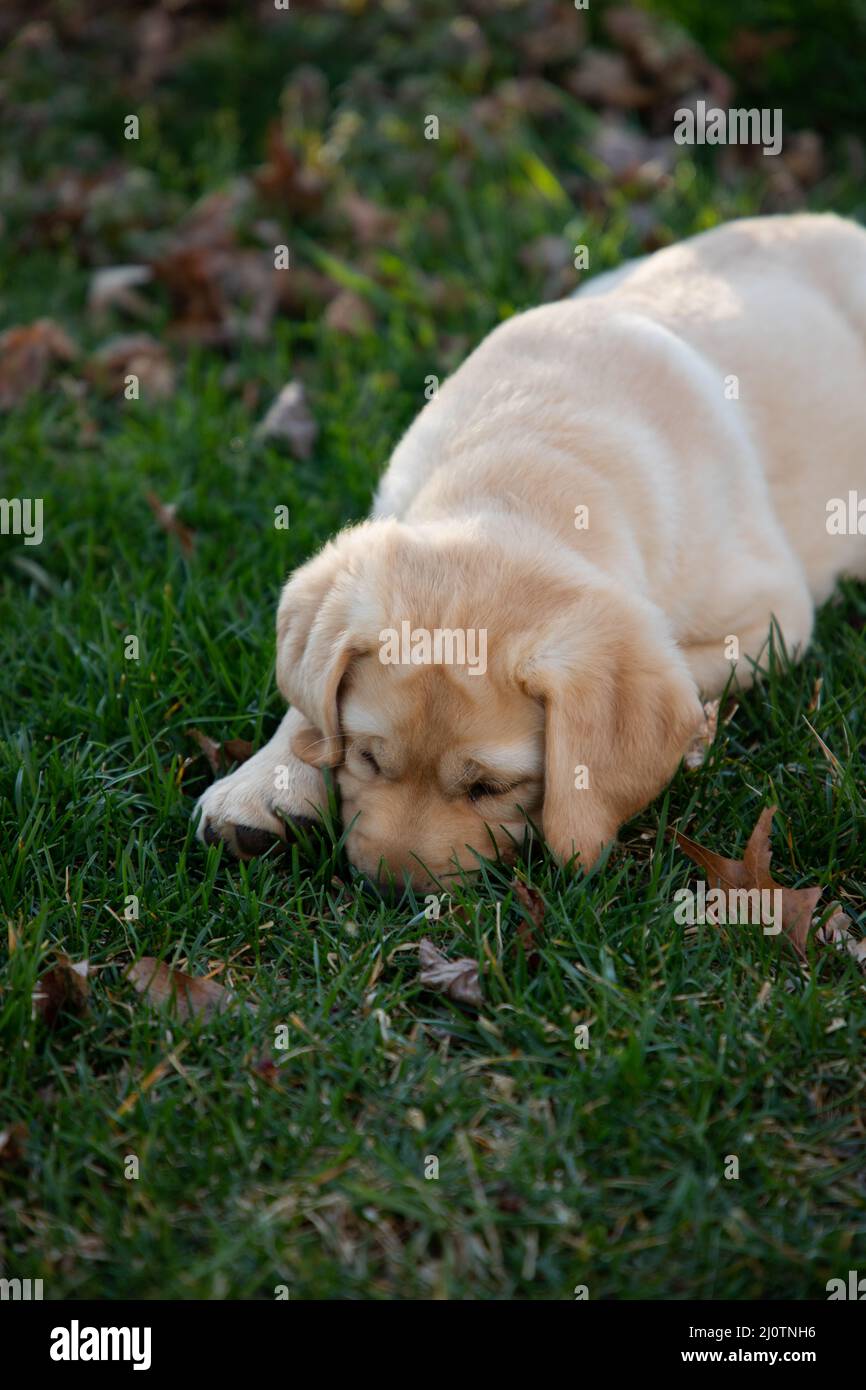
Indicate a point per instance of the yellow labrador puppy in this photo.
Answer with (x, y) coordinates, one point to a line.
(597, 516)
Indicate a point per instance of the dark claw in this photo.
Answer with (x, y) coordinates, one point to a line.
(302, 825)
(252, 840)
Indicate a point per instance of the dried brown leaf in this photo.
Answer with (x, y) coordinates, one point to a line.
(304, 293)
(804, 157)
(289, 419)
(837, 928)
(167, 518)
(798, 909)
(349, 313)
(837, 932)
(116, 287)
(267, 1068)
(372, 225)
(191, 995)
(285, 179)
(62, 989)
(27, 352)
(456, 978)
(753, 871)
(606, 79)
(193, 277)
(238, 750)
(751, 46)
(211, 749)
(219, 290)
(556, 40)
(133, 354)
(12, 1141)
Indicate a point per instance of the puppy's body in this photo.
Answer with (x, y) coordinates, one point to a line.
(715, 508)
(703, 410)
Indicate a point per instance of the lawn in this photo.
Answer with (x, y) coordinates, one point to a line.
(558, 1166)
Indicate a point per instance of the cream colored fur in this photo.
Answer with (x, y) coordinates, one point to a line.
(705, 406)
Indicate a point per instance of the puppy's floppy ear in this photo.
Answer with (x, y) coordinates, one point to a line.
(621, 704)
(318, 633)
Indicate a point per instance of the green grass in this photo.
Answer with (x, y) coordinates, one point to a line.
(557, 1167)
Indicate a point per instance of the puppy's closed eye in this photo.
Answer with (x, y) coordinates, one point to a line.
(362, 762)
(480, 790)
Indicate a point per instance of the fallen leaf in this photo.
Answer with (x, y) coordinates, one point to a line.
(349, 313)
(803, 157)
(238, 750)
(836, 929)
(285, 179)
(552, 257)
(191, 995)
(220, 291)
(12, 1141)
(372, 225)
(211, 749)
(157, 48)
(289, 419)
(167, 518)
(193, 277)
(628, 154)
(213, 221)
(665, 56)
(750, 46)
(508, 1200)
(133, 354)
(558, 40)
(116, 286)
(456, 978)
(548, 253)
(219, 755)
(267, 1068)
(26, 354)
(92, 211)
(304, 293)
(530, 96)
(606, 79)
(61, 989)
(753, 871)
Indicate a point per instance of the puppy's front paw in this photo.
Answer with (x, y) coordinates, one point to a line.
(252, 809)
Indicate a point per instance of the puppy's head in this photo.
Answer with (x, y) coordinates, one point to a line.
(461, 686)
